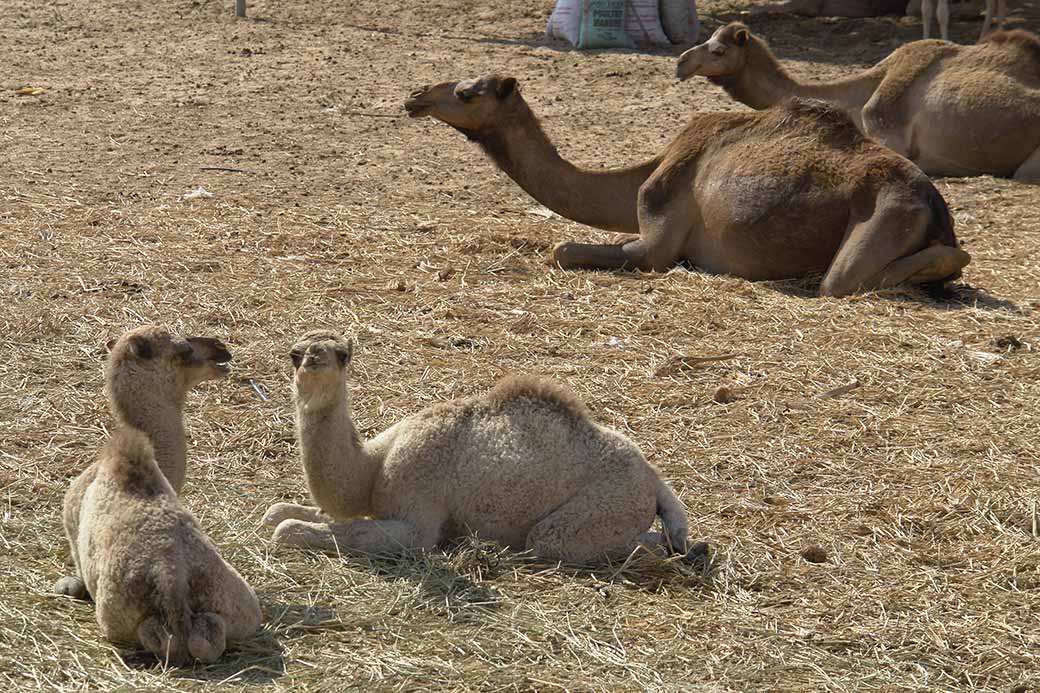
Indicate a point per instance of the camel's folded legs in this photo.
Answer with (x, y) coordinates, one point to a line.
(363, 536)
(879, 252)
(293, 511)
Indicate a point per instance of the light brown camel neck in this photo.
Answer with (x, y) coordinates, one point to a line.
(162, 421)
(339, 471)
(603, 199)
(764, 82)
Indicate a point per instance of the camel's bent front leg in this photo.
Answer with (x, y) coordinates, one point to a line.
(279, 512)
(880, 252)
(363, 536)
(664, 227)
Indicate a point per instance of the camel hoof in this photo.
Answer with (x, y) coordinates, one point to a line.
(290, 533)
(71, 587)
(563, 255)
(700, 552)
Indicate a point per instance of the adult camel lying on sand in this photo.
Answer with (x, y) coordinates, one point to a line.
(953, 110)
(156, 578)
(523, 465)
(780, 194)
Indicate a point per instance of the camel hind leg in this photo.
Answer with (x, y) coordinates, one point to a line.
(888, 248)
(607, 518)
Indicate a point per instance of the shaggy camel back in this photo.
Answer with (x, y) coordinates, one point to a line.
(826, 199)
(953, 110)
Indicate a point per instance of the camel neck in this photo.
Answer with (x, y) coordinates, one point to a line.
(163, 422)
(603, 199)
(764, 82)
(339, 471)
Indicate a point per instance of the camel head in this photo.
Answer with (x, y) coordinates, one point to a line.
(319, 360)
(723, 55)
(471, 107)
(150, 361)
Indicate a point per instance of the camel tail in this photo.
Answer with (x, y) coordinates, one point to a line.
(673, 516)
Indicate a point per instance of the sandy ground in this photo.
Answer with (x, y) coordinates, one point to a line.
(917, 490)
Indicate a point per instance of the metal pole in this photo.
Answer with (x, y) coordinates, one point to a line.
(240, 8)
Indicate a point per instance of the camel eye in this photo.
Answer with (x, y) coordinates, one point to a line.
(466, 96)
(720, 49)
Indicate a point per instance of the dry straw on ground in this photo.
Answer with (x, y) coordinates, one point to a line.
(874, 538)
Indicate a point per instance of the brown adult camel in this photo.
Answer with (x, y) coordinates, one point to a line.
(953, 110)
(779, 194)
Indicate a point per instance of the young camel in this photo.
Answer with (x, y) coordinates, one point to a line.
(523, 465)
(156, 578)
(953, 110)
(774, 195)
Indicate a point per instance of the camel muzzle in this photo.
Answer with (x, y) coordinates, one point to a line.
(416, 106)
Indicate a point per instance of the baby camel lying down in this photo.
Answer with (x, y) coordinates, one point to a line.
(157, 579)
(523, 465)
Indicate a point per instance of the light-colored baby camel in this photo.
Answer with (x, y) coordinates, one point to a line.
(953, 110)
(780, 194)
(156, 578)
(523, 465)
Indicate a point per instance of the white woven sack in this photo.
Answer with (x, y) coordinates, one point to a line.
(643, 22)
(565, 21)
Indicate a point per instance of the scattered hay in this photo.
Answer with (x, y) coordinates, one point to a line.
(921, 483)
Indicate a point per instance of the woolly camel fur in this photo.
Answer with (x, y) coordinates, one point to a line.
(780, 194)
(953, 110)
(156, 578)
(523, 465)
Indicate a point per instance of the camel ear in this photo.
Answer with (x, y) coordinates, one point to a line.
(110, 343)
(742, 36)
(141, 348)
(343, 353)
(506, 87)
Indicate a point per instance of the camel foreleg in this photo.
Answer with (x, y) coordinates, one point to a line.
(279, 512)
(378, 537)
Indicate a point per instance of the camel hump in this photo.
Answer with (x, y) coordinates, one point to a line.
(825, 116)
(526, 387)
(1019, 38)
(130, 458)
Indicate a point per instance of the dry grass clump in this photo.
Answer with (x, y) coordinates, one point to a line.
(892, 434)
